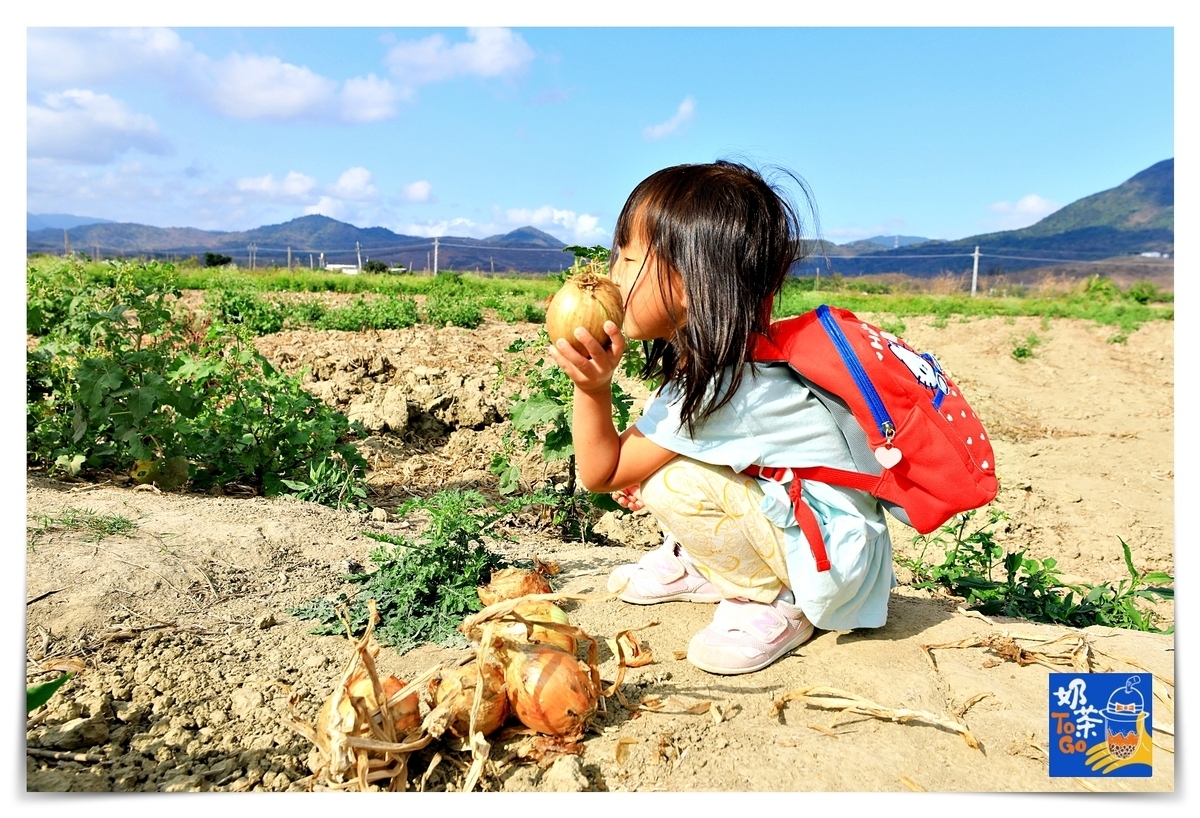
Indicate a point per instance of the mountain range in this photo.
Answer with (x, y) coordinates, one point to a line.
(1135, 217)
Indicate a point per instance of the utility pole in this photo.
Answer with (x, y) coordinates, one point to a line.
(435, 249)
(66, 243)
(289, 258)
(975, 271)
(310, 261)
(817, 280)
(321, 259)
(358, 250)
(493, 261)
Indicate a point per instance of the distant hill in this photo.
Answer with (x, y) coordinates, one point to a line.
(60, 221)
(1134, 217)
(525, 249)
(875, 243)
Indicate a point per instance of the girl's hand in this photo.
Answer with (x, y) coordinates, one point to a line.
(629, 498)
(595, 373)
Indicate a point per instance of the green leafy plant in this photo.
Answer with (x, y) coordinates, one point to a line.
(332, 482)
(895, 326)
(126, 375)
(422, 587)
(1001, 583)
(242, 306)
(388, 312)
(375, 266)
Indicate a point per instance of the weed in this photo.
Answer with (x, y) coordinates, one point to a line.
(332, 482)
(1045, 323)
(939, 322)
(422, 587)
(98, 526)
(1118, 338)
(896, 326)
(1024, 349)
(1029, 588)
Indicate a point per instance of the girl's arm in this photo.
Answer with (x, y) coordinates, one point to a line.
(605, 460)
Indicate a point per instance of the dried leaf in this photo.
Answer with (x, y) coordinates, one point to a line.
(829, 698)
(65, 664)
(912, 785)
(675, 705)
(822, 729)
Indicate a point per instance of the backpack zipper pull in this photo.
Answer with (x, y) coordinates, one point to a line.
(887, 454)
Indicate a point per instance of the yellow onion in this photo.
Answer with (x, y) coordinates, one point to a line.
(539, 611)
(455, 687)
(549, 690)
(585, 300)
(405, 713)
(511, 583)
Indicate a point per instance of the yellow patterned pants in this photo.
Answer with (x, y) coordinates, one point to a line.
(713, 513)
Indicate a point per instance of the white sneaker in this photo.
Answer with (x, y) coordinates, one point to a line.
(666, 574)
(747, 636)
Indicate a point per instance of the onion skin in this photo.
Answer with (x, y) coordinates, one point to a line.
(456, 688)
(585, 300)
(405, 713)
(549, 690)
(511, 583)
(539, 611)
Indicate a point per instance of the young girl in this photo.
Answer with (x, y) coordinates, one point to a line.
(700, 252)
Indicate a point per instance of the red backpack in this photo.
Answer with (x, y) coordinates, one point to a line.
(915, 443)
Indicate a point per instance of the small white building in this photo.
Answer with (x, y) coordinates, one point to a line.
(1153, 254)
(348, 269)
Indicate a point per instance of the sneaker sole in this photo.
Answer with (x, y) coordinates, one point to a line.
(689, 597)
(799, 639)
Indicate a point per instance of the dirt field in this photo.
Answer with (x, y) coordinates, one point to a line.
(190, 653)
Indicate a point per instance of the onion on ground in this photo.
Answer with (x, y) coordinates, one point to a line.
(511, 583)
(454, 688)
(535, 611)
(403, 714)
(549, 690)
(585, 300)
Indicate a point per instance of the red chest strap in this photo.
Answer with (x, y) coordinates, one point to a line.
(803, 514)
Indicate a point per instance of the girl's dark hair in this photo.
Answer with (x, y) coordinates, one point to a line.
(732, 237)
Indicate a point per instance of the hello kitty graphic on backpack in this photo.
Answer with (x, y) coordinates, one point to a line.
(916, 444)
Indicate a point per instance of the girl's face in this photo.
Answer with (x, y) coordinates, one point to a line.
(647, 312)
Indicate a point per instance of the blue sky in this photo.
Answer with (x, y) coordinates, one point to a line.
(938, 132)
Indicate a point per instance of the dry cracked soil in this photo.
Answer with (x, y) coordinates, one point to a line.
(187, 655)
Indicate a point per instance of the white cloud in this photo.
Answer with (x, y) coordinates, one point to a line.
(327, 206)
(1026, 211)
(581, 227)
(354, 183)
(420, 191)
(683, 117)
(79, 56)
(254, 87)
(82, 126)
(440, 228)
(488, 52)
(368, 99)
(296, 185)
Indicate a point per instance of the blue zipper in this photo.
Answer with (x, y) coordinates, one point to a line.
(850, 359)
